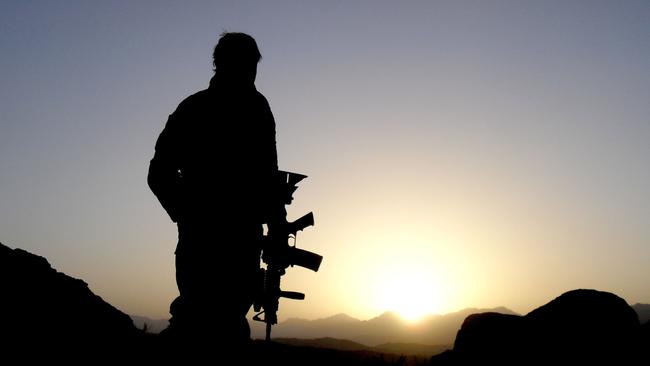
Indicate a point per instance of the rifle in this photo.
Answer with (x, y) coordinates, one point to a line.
(278, 254)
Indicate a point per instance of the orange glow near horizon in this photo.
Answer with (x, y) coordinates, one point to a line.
(403, 275)
(408, 291)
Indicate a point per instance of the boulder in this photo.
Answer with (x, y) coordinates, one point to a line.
(489, 335)
(583, 326)
(42, 309)
(585, 323)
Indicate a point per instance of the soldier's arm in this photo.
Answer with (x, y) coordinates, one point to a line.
(273, 196)
(164, 176)
(270, 153)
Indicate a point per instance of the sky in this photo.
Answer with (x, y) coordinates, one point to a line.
(459, 153)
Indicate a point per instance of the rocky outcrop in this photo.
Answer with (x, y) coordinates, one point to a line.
(484, 335)
(579, 326)
(43, 309)
(583, 322)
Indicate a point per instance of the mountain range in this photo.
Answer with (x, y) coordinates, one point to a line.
(388, 327)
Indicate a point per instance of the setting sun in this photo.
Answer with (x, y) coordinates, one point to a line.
(409, 291)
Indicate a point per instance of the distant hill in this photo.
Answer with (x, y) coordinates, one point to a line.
(386, 328)
(643, 310)
(342, 323)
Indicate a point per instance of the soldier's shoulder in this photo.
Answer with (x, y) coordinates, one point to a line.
(259, 94)
(193, 101)
(261, 98)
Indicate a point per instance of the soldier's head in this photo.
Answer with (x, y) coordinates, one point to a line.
(236, 55)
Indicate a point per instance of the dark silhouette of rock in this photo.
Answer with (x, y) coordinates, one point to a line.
(584, 323)
(45, 309)
(484, 335)
(583, 326)
(645, 336)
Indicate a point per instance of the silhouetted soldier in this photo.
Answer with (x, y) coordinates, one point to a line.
(212, 172)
